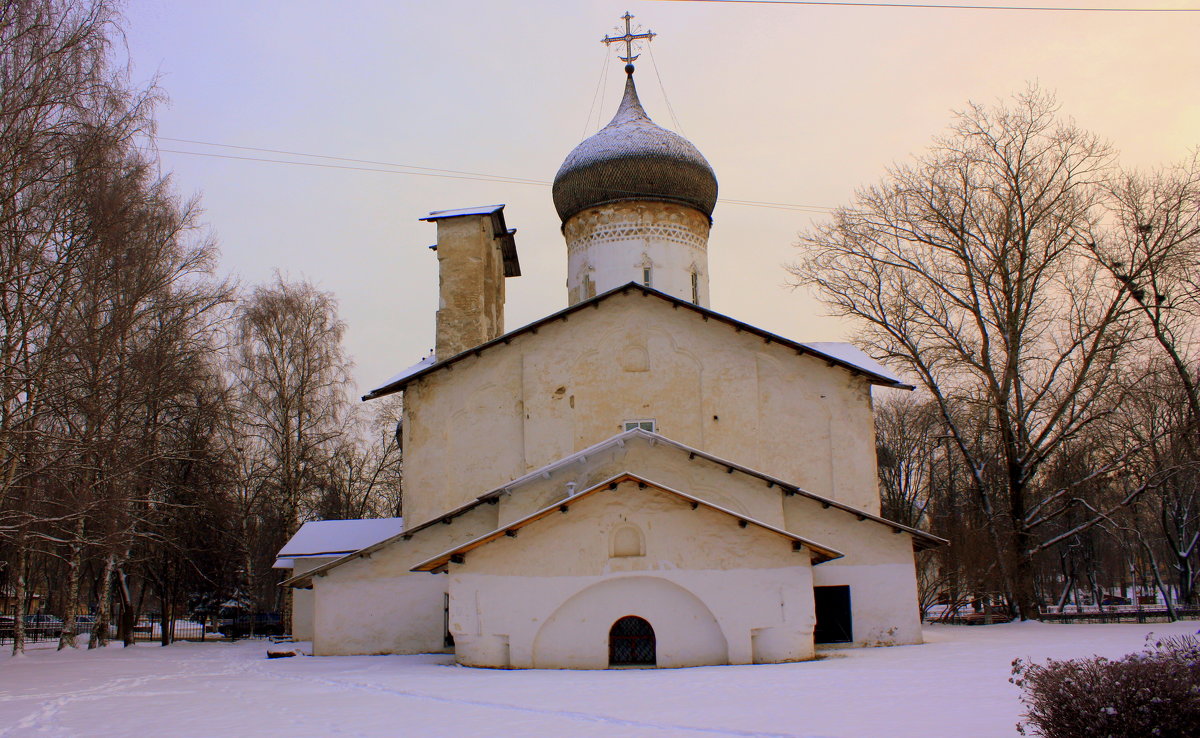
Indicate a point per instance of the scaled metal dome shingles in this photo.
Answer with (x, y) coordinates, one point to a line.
(632, 158)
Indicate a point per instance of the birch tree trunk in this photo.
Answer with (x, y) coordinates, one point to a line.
(99, 637)
(19, 594)
(67, 639)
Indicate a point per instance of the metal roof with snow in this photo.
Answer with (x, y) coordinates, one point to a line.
(920, 539)
(335, 538)
(500, 232)
(818, 552)
(837, 354)
(634, 158)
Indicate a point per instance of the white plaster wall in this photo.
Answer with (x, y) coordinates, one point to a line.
(712, 590)
(462, 434)
(883, 601)
(521, 406)
(699, 617)
(403, 614)
(377, 605)
(878, 566)
(611, 244)
(303, 602)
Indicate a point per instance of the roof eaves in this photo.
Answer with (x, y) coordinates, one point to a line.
(921, 539)
(929, 540)
(345, 559)
(436, 563)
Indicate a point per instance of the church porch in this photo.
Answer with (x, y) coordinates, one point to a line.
(715, 587)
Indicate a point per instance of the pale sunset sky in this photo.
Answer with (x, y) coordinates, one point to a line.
(790, 104)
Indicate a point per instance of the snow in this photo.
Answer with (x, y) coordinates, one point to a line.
(420, 366)
(481, 210)
(328, 537)
(956, 684)
(846, 352)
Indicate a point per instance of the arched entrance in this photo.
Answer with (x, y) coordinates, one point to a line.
(576, 635)
(631, 643)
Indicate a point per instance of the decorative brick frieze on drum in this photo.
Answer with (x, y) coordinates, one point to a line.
(613, 244)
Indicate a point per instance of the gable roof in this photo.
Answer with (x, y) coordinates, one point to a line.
(819, 553)
(920, 539)
(844, 355)
(335, 538)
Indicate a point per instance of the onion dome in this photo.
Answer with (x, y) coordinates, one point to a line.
(632, 158)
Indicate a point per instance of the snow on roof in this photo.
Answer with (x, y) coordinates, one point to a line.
(481, 210)
(839, 353)
(421, 365)
(819, 552)
(848, 354)
(335, 537)
(921, 539)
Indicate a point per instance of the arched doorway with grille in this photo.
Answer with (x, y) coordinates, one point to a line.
(631, 643)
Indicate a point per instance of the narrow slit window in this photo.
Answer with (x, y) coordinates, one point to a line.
(646, 276)
(695, 288)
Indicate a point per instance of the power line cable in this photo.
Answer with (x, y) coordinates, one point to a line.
(928, 6)
(478, 177)
(599, 85)
(425, 171)
(661, 86)
(603, 92)
(338, 158)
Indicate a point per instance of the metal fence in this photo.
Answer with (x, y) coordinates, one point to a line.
(1119, 614)
(1090, 614)
(143, 630)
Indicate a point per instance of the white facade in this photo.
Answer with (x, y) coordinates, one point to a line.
(655, 244)
(715, 593)
(635, 479)
(525, 584)
(319, 542)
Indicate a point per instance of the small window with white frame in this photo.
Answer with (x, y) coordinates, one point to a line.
(646, 276)
(646, 425)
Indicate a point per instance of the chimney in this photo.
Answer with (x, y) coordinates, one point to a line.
(475, 251)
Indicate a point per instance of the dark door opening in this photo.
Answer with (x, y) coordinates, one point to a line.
(834, 624)
(631, 643)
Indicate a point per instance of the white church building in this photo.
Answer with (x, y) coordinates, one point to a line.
(636, 479)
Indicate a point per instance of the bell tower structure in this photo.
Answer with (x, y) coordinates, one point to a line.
(636, 203)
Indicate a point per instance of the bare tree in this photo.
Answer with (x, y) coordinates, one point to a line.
(292, 377)
(1153, 253)
(968, 269)
(908, 431)
(363, 477)
(137, 339)
(53, 71)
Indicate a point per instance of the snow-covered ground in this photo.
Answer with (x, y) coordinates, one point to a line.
(956, 684)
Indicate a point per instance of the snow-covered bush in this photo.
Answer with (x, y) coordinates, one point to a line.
(1152, 693)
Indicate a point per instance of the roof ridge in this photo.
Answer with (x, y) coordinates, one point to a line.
(827, 553)
(397, 384)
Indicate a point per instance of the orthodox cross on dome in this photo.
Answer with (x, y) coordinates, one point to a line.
(628, 40)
